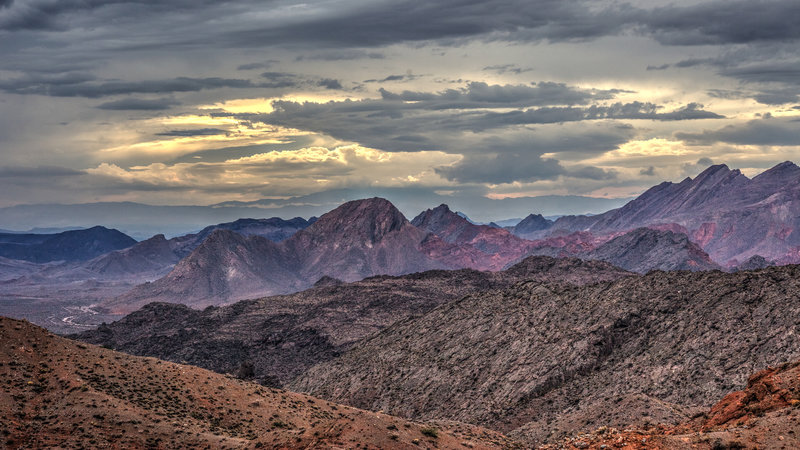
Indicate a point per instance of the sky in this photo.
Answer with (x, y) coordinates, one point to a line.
(197, 102)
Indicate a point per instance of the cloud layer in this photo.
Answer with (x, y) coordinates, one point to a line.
(200, 101)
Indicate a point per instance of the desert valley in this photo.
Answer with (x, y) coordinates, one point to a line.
(400, 224)
(668, 322)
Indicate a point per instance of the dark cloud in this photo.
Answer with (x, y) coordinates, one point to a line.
(258, 65)
(403, 77)
(481, 95)
(616, 111)
(76, 86)
(661, 67)
(592, 173)
(329, 83)
(508, 168)
(648, 172)
(6, 3)
(38, 172)
(722, 22)
(507, 68)
(502, 168)
(138, 104)
(770, 131)
(413, 121)
(280, 80)
(787, 72)
(777, 96)
(385, 23)
(190, 133)
(341, 55)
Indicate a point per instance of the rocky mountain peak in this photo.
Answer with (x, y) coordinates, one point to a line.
(437, 217)
(534, 222)
(784, 173)
(371, 218)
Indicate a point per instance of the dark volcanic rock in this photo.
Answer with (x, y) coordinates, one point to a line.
(753, 263)
(284, 335)
(547, 360)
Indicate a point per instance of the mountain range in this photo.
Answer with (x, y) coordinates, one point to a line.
(730, 216)
(638, 328)
(371, 237)
(718, 220)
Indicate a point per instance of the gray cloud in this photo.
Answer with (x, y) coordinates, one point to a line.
(777, 96)
(412, 120)
(258, 65)
(502, 168)
(341, 55)
(770, 131)
(196, 132)
(138, 104)
(80, 85)
(399, 77)
(329, 83)
(280, 80)
(506, 68)
(37, 172)
(766, 72)
(723, 22)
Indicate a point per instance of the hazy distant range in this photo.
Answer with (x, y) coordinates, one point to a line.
(142, 221)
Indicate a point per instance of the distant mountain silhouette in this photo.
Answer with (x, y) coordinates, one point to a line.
(75, 245)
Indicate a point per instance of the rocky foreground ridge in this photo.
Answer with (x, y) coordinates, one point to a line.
(55, 392)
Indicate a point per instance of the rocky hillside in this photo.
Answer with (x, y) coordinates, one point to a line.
(59, 393)
(730, 216)
(646, 249)
(227, 265)
(547, 360)
(640, 250)
(283, 336)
